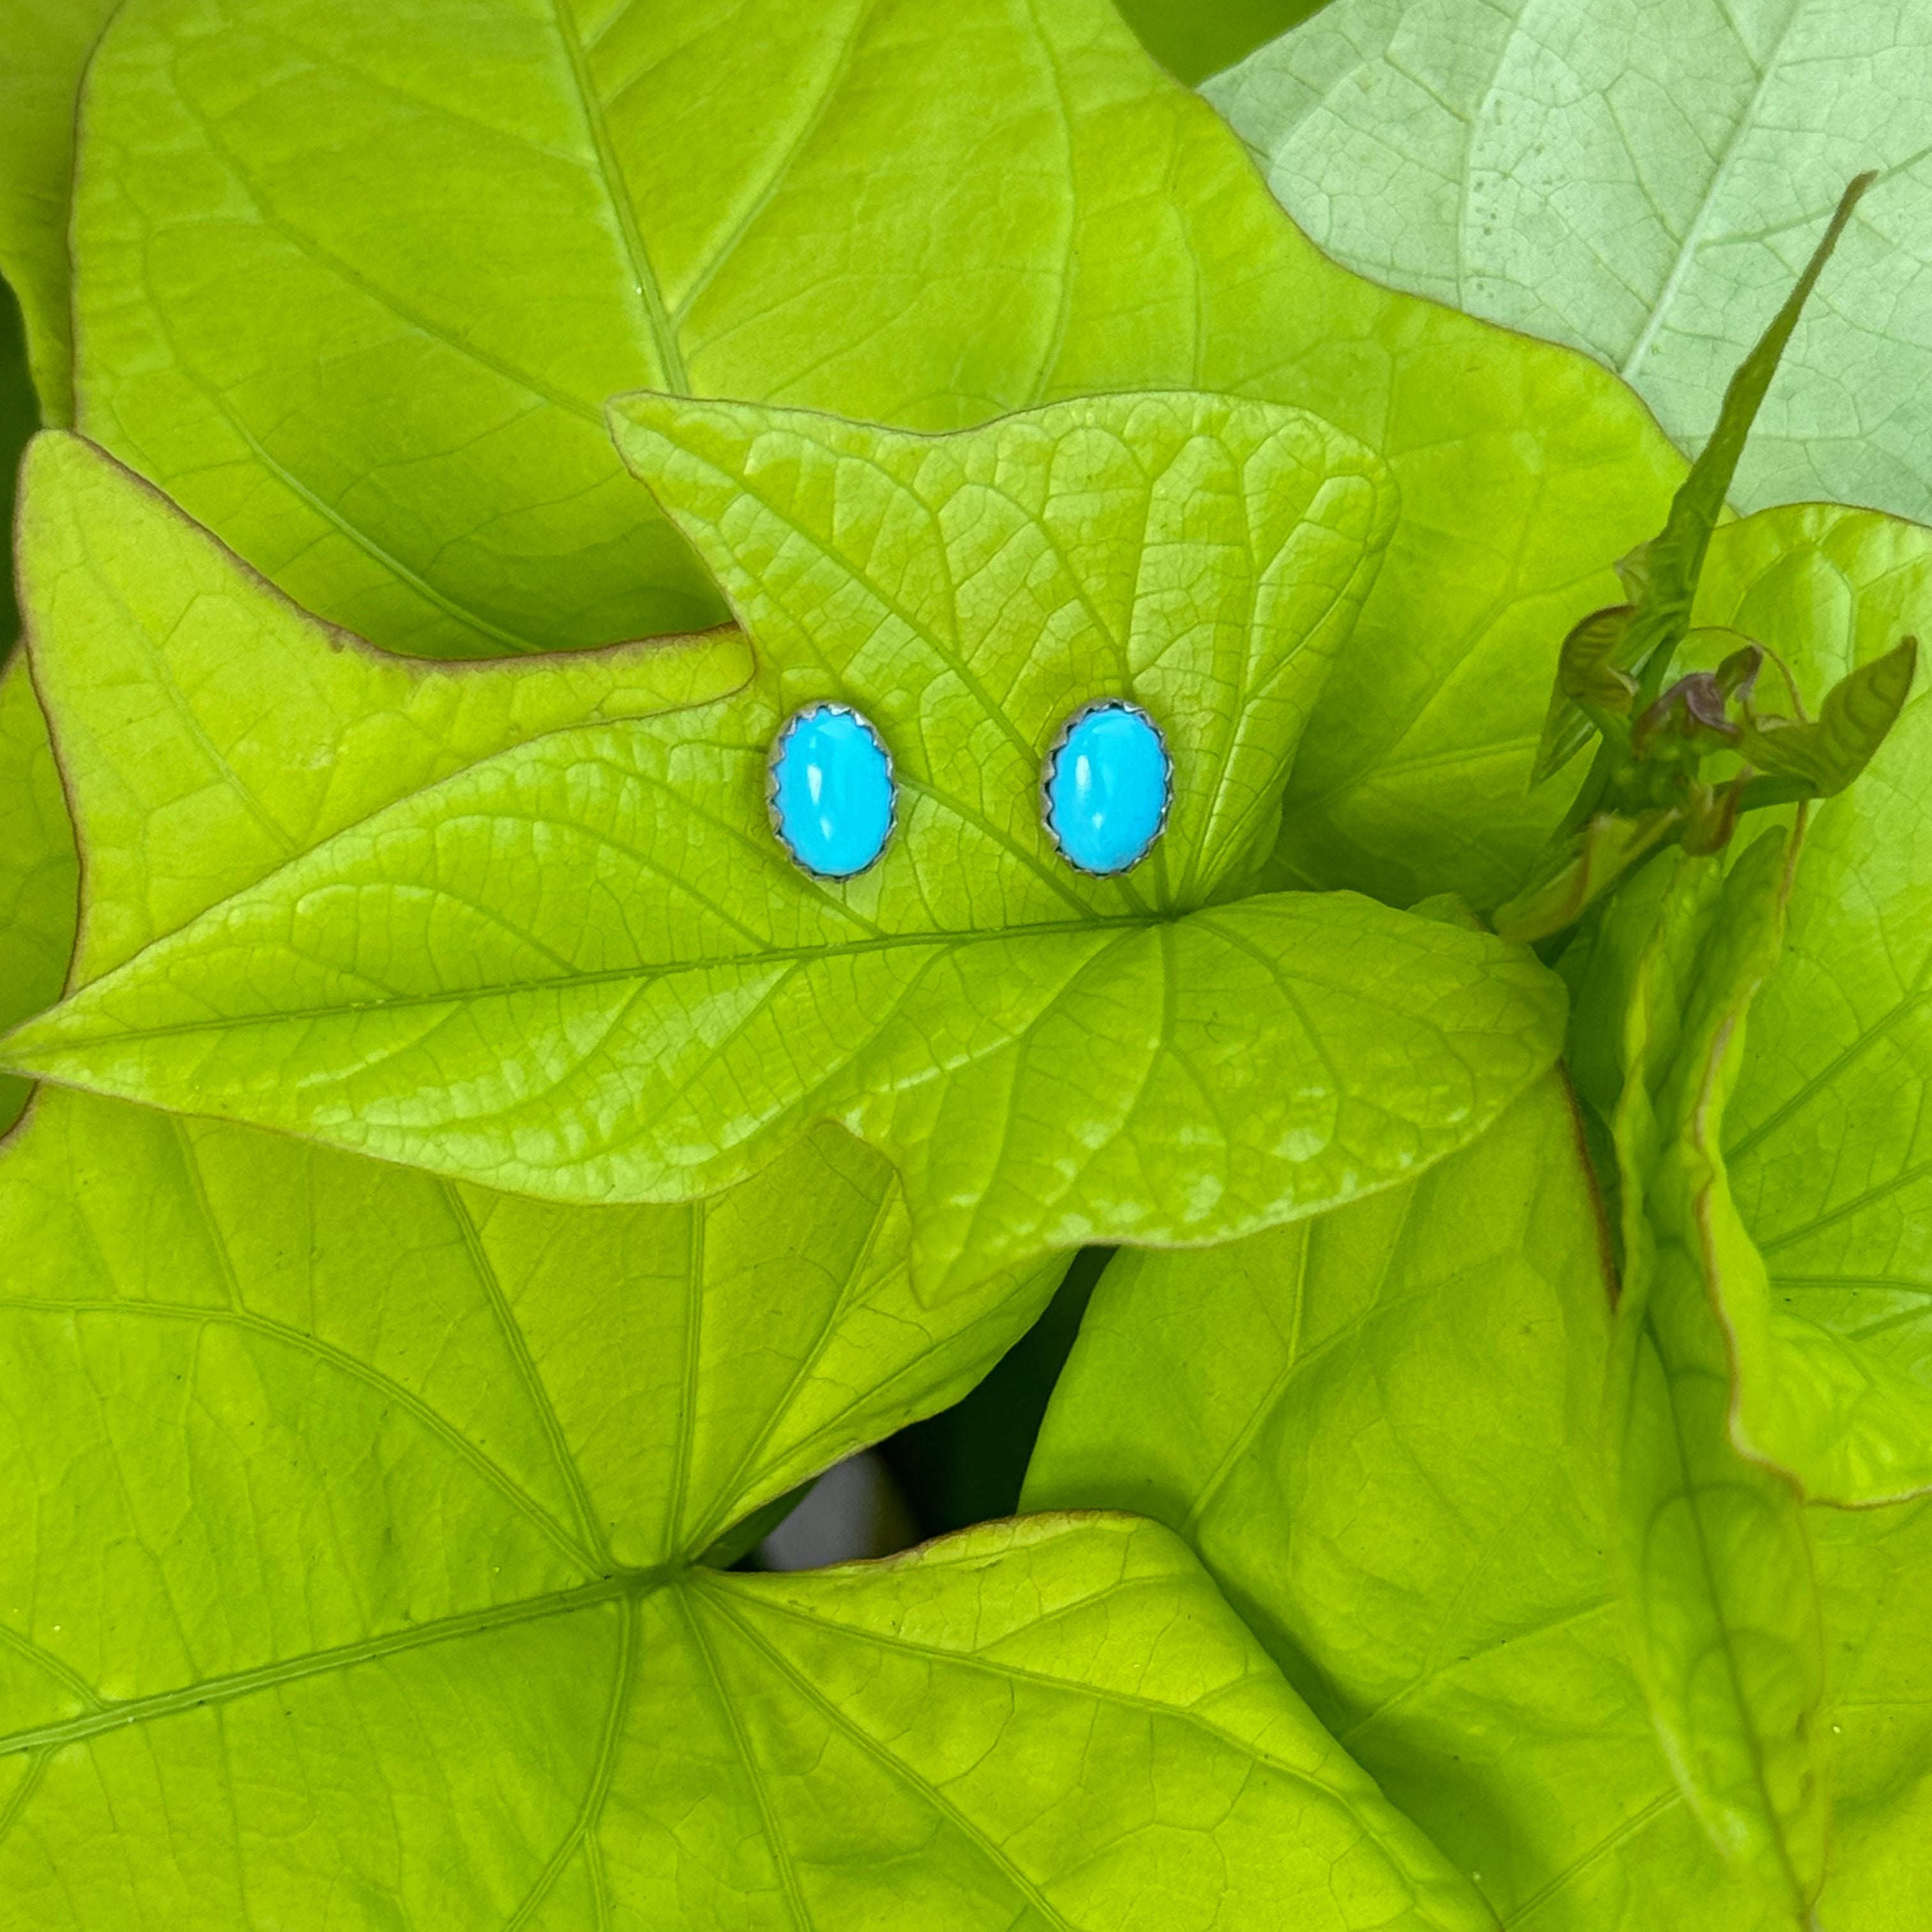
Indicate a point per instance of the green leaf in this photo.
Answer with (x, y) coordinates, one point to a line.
(1591, 669)
(1194, 38)
(39, 884)
(1631, 179)
(840, 207)
(1660, 575)
(594, 975)
(1826, 1143)
(1710, 1549)
(1858, 712)
(48, 43)
(1875, 1574)
(345, 1555)
(1378, 1429)
(210, 730)
(1603, 851)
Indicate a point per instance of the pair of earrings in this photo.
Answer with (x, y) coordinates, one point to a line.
(1105, 788)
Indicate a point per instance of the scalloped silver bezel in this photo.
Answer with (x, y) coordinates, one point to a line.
(818, 706)
(1050, 765)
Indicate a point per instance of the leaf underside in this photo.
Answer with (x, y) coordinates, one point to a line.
(1630, 179)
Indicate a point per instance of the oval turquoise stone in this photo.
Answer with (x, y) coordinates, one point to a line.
(1107, 787)
(831, 791)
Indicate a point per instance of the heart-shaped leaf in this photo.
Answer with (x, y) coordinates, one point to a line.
(347, 1553)
(1380, 1429)
(1629, 178)
(849, 206)
(595, 974)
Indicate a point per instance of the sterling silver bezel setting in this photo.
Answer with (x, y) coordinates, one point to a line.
(1050, 766)
(814, 708)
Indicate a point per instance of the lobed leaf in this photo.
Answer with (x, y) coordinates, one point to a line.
(209, 730)
(1379, 1429)
(584, 968)
(347, 1553)
(902, 215)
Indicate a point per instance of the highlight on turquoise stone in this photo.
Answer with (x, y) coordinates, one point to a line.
(831, 790)
(1107, 782)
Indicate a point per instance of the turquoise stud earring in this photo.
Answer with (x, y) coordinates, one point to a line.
(1106, 787)
(831, 794)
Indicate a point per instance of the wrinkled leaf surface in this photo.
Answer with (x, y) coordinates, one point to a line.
(584, 968)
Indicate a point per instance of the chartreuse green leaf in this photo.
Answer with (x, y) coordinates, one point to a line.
(1378, 1429)
(1194, 38)
(1826, 1150)
(1632, 179)
(587, 969)
(1710, 1549)
(48, 44)
(38, 884)
(865, 206)
(1875, 1574)
(347, 1554)
(352, 1545)
(435, 1632)
(210, 730)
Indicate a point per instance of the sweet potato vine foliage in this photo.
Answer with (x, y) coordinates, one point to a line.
(466, 1181)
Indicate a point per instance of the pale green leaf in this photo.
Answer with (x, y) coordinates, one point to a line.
(345, 1555)
(48, 43)
(585, 968)
(1826, 1142)
(1379, 1430)
(39, 887)
(1710, 1549)
(904, 215)
(1640, 179)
